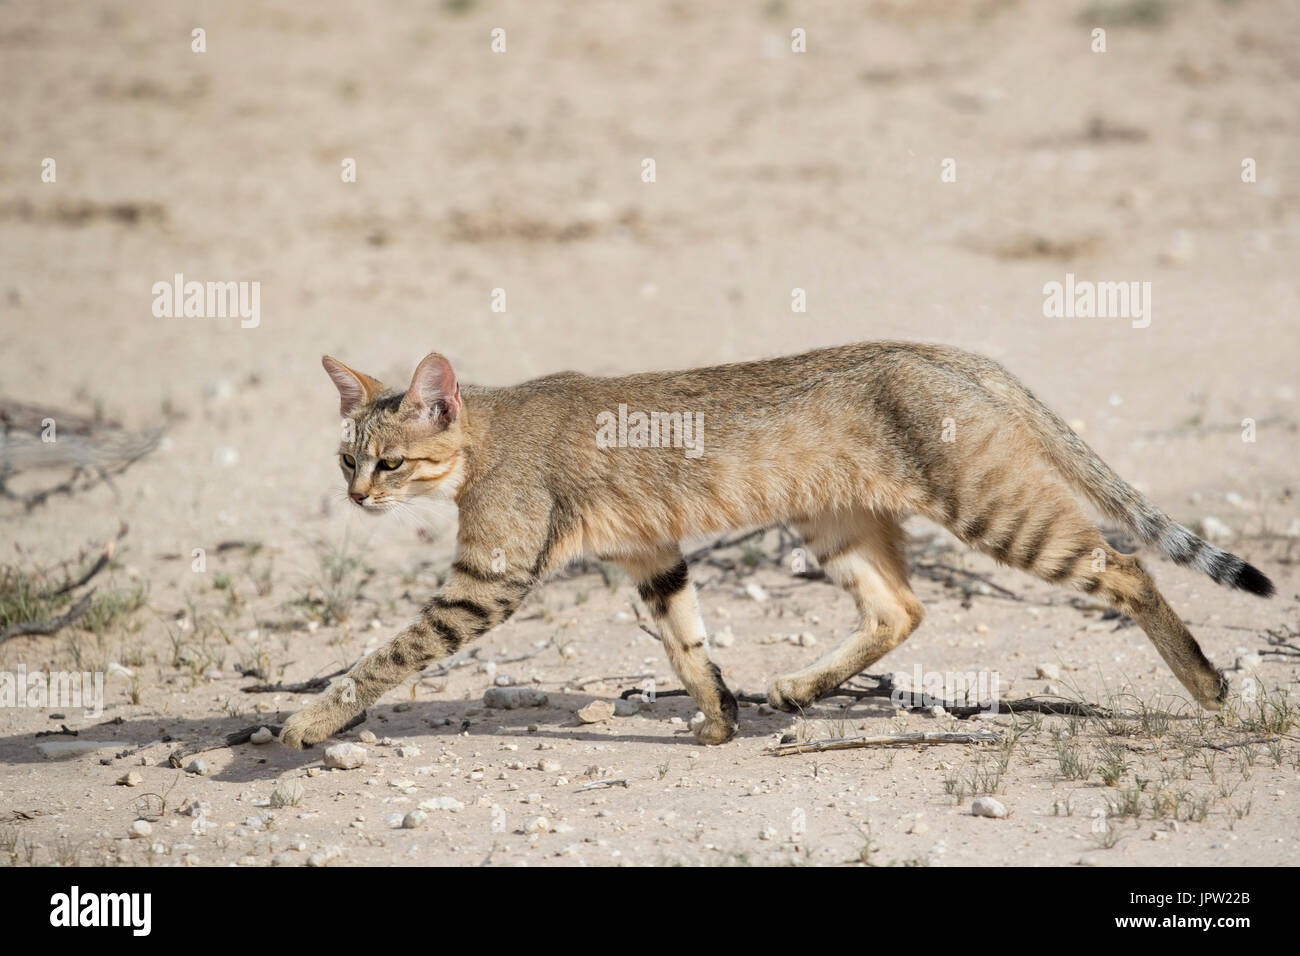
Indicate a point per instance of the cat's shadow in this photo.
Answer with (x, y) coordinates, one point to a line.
(421, 724)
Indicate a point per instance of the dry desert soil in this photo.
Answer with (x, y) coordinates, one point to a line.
(521, 171)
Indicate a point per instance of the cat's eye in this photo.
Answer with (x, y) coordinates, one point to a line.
(349, 461)
(389, 464)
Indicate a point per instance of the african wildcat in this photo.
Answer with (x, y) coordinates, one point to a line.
(842, 443)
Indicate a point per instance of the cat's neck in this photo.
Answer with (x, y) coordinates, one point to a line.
(477, 447)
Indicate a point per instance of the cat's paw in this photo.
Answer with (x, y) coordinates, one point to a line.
(1212, 690)
(314, 724)
(786, 693)
(712, 732)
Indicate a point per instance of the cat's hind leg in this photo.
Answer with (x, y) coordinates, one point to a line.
(664, 583)
(863, 553)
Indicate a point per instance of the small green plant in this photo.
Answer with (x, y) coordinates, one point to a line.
(1070, 760)
(868, 849)
(336, 586)
(1113, 762)
(1106, 836)
(1126, 804)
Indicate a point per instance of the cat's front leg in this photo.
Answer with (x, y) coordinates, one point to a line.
(374, 674)
(473, 601)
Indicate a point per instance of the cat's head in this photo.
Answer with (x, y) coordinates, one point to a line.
(395, 445)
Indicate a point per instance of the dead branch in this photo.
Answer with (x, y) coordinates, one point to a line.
(943, 573)
(920, 701)
(885, 740)
(1282, 642)
(93, 449)
(315, 685)
(722, 544)
(1238, 743)
(20, 628)
(105, 556)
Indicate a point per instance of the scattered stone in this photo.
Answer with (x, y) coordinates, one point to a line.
(410, 750)
(724, 637)
(512, 698)
(1214, 530)
(441, 803)
(988, 807)
(627, 708)
(141, 829)
(132, 778)
(1048, 671)
(538, 825)
(367, 737)
(262, 735)
(807, 639)
(345, 756)
(287, 793)
(504, 680)
(414, 820)
(937, 711)
(767, 833)
(596, 712)
(198, 767)
(72, 748)
(548, 766)
(755, 591)
(325, 856)
(194, 807)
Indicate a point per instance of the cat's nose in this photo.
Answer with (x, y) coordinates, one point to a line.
(356, 496)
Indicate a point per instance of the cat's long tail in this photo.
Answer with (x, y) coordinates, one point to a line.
(1120, 501)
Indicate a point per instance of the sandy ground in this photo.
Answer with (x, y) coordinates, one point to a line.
(521, 171)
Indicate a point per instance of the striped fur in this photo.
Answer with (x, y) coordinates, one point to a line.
(841, 443)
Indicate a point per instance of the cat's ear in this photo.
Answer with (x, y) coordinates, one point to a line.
(355, 388)
(434, 395)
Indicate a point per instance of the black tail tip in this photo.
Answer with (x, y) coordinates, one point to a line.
(1251, 579)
